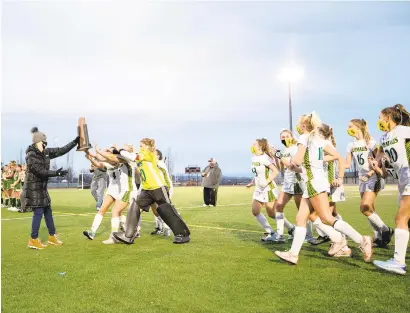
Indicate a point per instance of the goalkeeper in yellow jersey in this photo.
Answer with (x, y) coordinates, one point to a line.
(153, 191)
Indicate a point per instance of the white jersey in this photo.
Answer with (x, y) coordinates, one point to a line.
(396, 146)
(260, 169)
(165, 176)
(360, 152)
(313, 164)
(290, 176)
(113, 174)
(127, 176)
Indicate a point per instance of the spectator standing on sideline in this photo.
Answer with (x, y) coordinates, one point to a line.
(35, 194)
(98, 184)
(211, 179)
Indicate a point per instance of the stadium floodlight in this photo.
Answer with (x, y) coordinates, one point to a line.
(291, 74)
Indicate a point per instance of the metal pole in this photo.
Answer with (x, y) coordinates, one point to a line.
(290, 108)
(82, 181)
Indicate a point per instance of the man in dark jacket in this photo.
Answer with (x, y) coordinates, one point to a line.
(211, 179)
(35, 194)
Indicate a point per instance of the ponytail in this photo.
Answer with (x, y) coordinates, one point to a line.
(398, 114)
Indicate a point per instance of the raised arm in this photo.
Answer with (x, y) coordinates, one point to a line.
(57, 152)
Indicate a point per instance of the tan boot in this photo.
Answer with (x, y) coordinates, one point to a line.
(53, 240)
(36, 244)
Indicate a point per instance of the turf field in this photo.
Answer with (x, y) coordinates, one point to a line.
(225, 267)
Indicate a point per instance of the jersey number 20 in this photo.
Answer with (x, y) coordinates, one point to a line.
(143, 176)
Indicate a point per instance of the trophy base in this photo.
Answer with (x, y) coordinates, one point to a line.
(85, 148)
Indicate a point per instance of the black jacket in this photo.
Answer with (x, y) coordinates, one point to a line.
(35, 192)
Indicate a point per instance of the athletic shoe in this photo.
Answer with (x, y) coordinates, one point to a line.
(110, 241)
(290, 233)
(36, 244)
(287, 256)
(377, 243)
(179, 239)
(98, 209)
(13, 209)
(345, 252)
(269, 237)
(167, 232)
(53, 240)
(121, 237)
(89, 234)
(309, 239)
(367, 248)
(386, 237)
(279, 239)
(391, 266)
(335, 247)
(319, 240)
(205, 205)
(157, 231)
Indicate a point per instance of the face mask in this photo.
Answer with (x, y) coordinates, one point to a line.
(287, 142)
(352, 132)
(253, 150)
(299, 130)
(383, 125)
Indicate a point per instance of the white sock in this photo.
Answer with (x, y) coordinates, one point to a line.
(321, 234)
(401, 238)
(376, 233)
(96, 223)
(309, 229)
(334, 235)
(339, 217)
(115, 224)
(288, 224)
(166, 226)
(264, 223)
(156, 222)
(160, 222)
(280, 223)
(123, 219)
(376, 220)
(348, 230)
(298, 239)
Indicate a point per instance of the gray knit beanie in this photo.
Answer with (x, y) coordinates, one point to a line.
(38, 136)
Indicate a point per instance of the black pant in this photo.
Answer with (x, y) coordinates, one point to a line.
(210, 196)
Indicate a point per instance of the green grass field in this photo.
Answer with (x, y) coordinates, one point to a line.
(225, 267)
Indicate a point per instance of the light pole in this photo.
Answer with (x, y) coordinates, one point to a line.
(291, 74)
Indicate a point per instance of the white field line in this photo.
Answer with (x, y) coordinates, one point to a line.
(59, 214)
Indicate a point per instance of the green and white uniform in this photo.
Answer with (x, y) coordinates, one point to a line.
(336, 194)
(313, 172)
(396, 146)
(360, 152)
(165, 176)
(124, 187)
(292, 182)
(261, 171)
(18, 186)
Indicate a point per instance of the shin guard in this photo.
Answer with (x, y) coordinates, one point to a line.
(171, 217)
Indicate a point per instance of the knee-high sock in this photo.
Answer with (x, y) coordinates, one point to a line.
(376, 220)
(401, 238)
(264, 223)
(299, 236)
(375, 229)
(309, 229)
(96, 223)
(280, 223)
(348, 230)
(333, 234)
(115, 224)
(288, 224)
